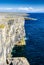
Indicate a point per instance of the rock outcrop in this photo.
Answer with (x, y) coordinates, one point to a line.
(18, 61)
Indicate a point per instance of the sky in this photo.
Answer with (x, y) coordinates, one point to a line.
(22, 6)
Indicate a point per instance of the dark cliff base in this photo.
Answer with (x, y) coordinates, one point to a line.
(18, 51)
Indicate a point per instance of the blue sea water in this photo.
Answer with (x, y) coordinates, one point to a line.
(34, 30)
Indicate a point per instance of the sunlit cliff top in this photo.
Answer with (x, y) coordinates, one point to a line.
(13, 14)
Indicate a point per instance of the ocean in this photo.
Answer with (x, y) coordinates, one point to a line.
(34, 30)
(34, 49)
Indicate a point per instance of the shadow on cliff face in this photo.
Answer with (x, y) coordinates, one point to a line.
(18, 51)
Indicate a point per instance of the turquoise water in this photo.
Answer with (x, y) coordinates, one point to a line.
(35, 39)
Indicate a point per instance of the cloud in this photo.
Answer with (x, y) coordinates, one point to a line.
(25, 8)
(21, 9)
(16, 9)
(5, 9)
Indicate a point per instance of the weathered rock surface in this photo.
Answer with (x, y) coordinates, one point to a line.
(18, 61)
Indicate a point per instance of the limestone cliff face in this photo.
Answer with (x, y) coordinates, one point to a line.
(13, 33)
